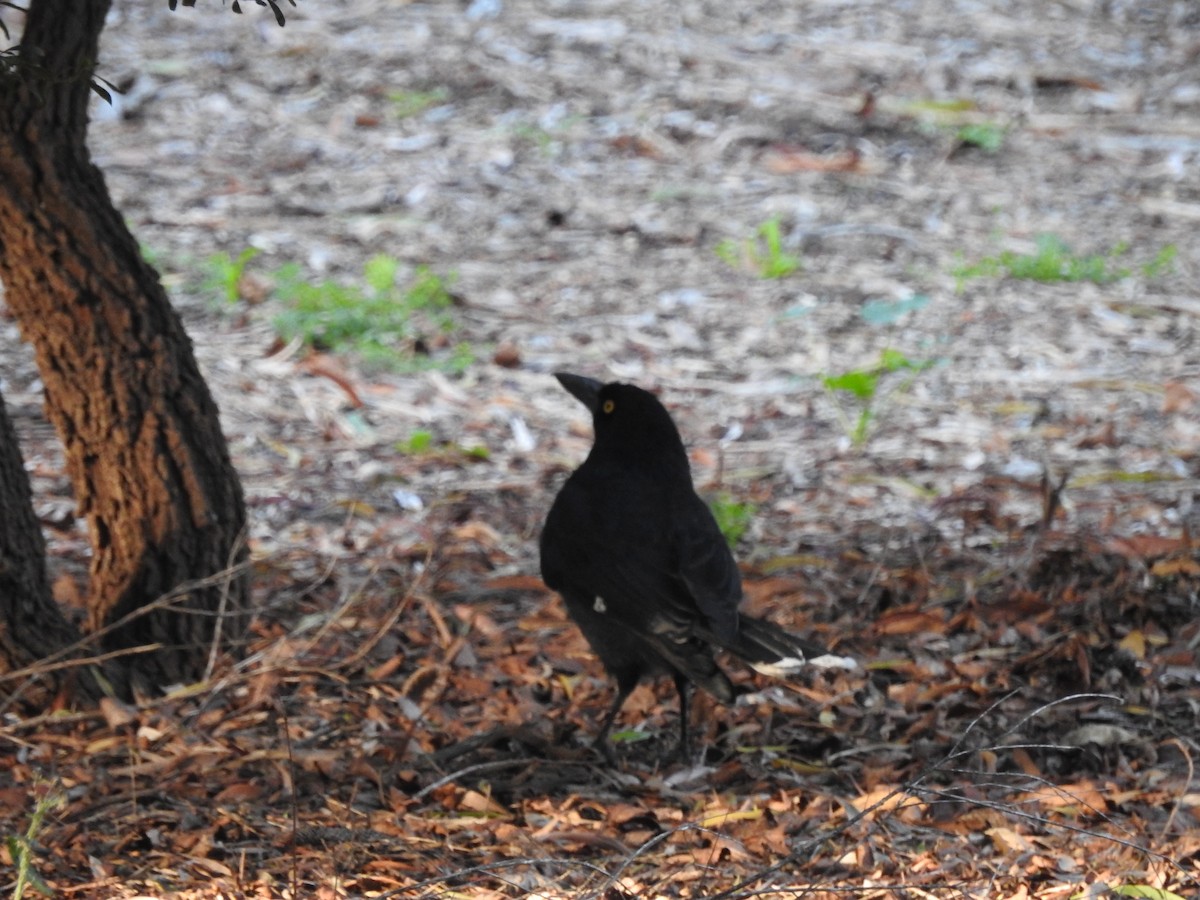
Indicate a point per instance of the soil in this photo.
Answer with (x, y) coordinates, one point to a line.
(597, 180)
(582, 162)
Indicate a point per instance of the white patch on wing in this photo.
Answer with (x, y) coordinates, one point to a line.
(790, 665)
(599, 606)
(833, 661)
(781, 668)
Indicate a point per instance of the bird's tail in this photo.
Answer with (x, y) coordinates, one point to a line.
(694, 661)
(768, 649)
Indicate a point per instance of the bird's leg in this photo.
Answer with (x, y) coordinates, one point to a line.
(683, 686)
(623, 691)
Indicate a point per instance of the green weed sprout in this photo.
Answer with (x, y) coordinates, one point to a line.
(863, 386)
(762, 253)
(420, 443)
(961, 118)
(225, 273)
(1162, 264)
(733, 517)
(20, 846)
(987, 136)
(417, 443)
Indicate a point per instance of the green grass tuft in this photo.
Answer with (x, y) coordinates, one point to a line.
(406, 104)
(1054, 261)
(762, 254)
(387, 326)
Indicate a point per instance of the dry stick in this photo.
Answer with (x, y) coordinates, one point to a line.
(492, 766)
(1066, 826)
(1049, 824)
(40, 668)
(904, 235)
(56, 661)
(1032, 779)
(353, 597)
(223, 604)
(350, 599)
(348, 809)
(439, 621)
(494, 867)
(45, 667)
(52, 662)
(737, 890)
(287, 740)
(401, 607)
(610, 878)
(1183, 792)
(870, 893)
(449, 645)
(1039, 710)
(652, 843)
(1051, 495)
(1038, 779)
(434, 696)
(921, 560)
(862, 597)
(241, 668)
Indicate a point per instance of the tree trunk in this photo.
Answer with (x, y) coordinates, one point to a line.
(32, 627)
(144, 449)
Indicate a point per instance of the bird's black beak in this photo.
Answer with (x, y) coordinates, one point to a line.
(585, 390)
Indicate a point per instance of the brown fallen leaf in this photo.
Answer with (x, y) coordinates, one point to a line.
(1134, 644)
(1179, 565)
(116, 713)
(1007, 840)
(1081, 798)
(1144, 546)
(474, 801)
(327, 367)
(788, 160)
(910, 620)
(507, 355)
(889, 800)
(636, 145)
(240, 792)
(1178, 397)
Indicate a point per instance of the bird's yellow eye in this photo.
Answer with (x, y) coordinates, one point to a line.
(609, 406)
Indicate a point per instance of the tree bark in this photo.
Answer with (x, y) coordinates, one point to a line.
(32, 627)
(149, 465)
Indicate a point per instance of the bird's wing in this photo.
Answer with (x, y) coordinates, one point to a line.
(625, 559)
(657, 572)
(707, 568)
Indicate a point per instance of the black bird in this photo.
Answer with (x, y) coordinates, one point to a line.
(641, 564)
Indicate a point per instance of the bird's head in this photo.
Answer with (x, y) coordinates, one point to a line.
(627, 420)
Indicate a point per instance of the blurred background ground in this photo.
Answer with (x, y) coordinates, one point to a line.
(1016, 515)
